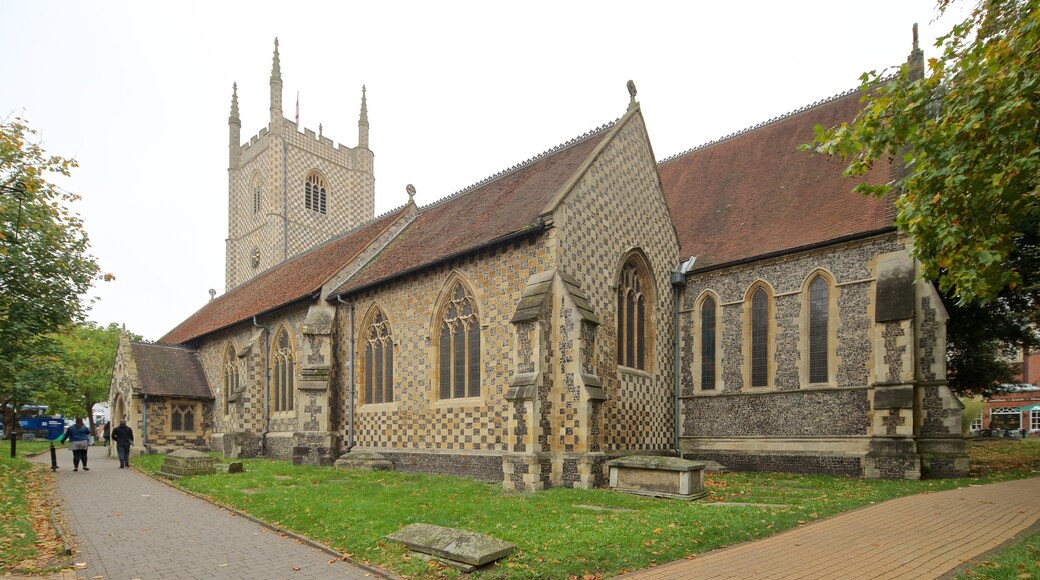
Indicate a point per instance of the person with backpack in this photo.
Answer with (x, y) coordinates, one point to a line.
(124, 438)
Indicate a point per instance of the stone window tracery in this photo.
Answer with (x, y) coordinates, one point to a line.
(231, 377)
(182, 417)
(379, 360)
(283, 372)
(634, 313)
(459, 345)
(315, 192)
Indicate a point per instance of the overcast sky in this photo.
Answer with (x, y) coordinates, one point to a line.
(139, 93)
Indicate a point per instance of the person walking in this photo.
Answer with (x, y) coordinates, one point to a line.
(78, 436)
(124, 438)
(107, 433)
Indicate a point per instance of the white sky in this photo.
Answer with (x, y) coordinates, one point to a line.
(139, 93)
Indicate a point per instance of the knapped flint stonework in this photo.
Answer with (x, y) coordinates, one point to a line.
(482, 467)
(786, 463)
(788, 414)
(788, 359)
(853, 351)
(893, 351)
(928, 339)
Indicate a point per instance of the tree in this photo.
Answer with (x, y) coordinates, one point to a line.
(967, 134)
(86, 355)
(45, 265)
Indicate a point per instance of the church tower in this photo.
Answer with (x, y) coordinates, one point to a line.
(290, 190)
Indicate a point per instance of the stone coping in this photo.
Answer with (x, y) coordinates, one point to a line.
(657, 462)
(460, 545)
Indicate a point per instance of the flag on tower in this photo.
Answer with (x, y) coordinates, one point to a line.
(297, 108)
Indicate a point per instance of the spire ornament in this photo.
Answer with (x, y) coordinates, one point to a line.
(410, 189)
(276, 65)
(234, 105)
(364, 107)
(915, 61)
(631, 93)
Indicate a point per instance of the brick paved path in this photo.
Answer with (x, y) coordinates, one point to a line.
(922, 536)
(126, 525)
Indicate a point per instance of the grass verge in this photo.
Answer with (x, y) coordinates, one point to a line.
(1021, 560)
(28, 542)
(560, 532)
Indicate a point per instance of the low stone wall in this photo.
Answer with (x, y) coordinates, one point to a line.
(788, 463)
(482, 467)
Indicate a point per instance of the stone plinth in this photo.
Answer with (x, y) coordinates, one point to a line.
(670, 477)
(365, 460)
(185, 462)
(452, 544)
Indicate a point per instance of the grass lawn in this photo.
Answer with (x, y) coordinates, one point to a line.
(28, 543)
(560, 532)
(1021, 560)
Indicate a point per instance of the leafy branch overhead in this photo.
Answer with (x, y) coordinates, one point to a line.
(968, 135)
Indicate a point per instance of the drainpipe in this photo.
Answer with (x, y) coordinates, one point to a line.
(267, 390)
(678, 279)
(350, 415)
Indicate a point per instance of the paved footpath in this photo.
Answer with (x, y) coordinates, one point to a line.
(126, 525)
(921, 536)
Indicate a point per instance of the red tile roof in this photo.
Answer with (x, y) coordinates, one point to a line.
(283, 284)
(502, 206)
(170, 371)
(755, 193)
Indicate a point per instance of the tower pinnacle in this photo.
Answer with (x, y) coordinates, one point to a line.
(276, 91)
(234, 105)
(916, 59)
(276, 66)
(363, 120)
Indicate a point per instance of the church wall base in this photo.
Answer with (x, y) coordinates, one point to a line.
(236, 445)
(482, 467)
(783, 462)
(314, 448)
(892, 459)
(946, 457)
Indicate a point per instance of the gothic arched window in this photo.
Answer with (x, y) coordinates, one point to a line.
(634, 315)
(283, 371)
(708, 343)
(231, 377)
(379, 360)
(459, 345)
(760, 338)
(315, 191)
(819, 304)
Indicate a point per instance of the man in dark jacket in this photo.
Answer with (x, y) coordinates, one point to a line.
(124, 438)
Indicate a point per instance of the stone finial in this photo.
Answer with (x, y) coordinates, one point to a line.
(631, 93)
(411, 192)
(276, 67)
(234, 104)
(363, 120)
(916, 59)
(319, 130)
(212, 293)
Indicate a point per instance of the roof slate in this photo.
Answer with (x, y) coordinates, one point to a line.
(283, 284)
(170, 371)
(756, 194)
(505, 205)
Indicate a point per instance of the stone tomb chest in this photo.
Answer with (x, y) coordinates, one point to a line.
(185, 462)
(671, 477)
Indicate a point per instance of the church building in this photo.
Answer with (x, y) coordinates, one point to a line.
(735, 303)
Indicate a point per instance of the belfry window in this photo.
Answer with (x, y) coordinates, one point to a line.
(315, 192)
(257, 190)
(379, 360)
(231, 377)
(459, 346)
(634, 315)
(283, 372)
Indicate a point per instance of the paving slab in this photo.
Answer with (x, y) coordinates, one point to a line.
(921, 536)
(127, 525)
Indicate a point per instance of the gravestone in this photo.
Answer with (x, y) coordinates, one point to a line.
(452, 544)
(186, 462)
(657, 476)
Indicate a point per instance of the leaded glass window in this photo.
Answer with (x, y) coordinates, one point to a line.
(633, 316)
(818, 330)
(182, 417)
(759, 338)
(283, 372)
(459, 346)
(708, 343)
(379, 360)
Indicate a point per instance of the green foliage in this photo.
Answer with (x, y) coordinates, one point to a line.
(967, 134)
(45, 265)
(86, 354)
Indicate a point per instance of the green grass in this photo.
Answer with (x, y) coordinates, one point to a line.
(17, 539)
(1022, 560)
(557, 537)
